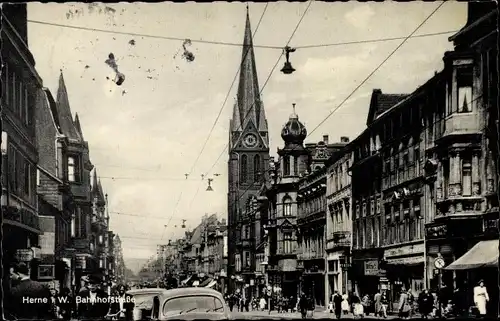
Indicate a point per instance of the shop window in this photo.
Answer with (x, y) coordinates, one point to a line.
(464, 92)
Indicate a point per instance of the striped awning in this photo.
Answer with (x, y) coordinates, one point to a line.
(211, 284)
(186, 280)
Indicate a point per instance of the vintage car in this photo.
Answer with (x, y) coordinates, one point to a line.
(189, 304)
(143, 301)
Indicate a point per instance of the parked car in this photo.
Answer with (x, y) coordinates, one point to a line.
(190, 304)
(143, 301)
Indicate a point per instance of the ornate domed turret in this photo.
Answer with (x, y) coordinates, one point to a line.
(294, 132)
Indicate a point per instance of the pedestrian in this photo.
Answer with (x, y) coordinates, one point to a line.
(357, 307)
(337, 304)
(377, 305)
(345, 305)
(92, 301)
(366, 302)
(404, 305)
(481, 298)
(411, 302)
(303, 305)
(459, 301)
(25, 288)
(122, 305)
(262, 303)
(66, 303)
(310, 307)
(384, 303)
(425, 303)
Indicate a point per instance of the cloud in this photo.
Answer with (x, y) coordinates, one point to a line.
(360, 16)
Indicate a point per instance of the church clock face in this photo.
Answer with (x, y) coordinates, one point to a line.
(250, 140)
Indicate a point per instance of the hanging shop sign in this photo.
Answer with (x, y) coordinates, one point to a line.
(81, 262)
(371, 267)
(24, 255)
(46, 272)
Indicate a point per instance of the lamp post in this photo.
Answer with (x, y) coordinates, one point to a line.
(345, 265)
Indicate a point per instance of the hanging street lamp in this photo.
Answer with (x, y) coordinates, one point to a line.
(287, 68)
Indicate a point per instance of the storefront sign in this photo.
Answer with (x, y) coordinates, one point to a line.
(81, 262)
(46, 272)
(405, 250)
(371, 267)
(24, 255)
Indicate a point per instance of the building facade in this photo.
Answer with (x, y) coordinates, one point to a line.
(282, 193)
(311, 222)
(77, 168)
(248, 161)
(20, 86)
(55, 202)
(338, 220)
(461, 151)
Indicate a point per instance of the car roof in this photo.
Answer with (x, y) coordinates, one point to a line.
(191, 291)
(146, 291)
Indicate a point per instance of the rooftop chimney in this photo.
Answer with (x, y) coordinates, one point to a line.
(325, 139)
(344, 139)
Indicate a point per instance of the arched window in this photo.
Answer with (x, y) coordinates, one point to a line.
(287, 206)
(244, 169)
(257, 168)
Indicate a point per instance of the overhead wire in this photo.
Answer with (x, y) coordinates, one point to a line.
(227, 95)
(412, 35)
(359, 86)
(225, 100)
(232, 43)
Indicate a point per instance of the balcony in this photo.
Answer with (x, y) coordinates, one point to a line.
(460, 124)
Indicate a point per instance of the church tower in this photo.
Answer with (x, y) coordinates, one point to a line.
(248, 157)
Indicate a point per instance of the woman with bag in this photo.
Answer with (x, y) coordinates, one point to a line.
(404, 305)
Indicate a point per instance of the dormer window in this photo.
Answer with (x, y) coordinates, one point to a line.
(464, 89)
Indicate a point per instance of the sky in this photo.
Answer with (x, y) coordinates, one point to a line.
(147, 133)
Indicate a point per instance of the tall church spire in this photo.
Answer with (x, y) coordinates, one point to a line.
(248, 107)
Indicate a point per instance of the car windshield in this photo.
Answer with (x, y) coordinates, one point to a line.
(198, 303)
(144, 300)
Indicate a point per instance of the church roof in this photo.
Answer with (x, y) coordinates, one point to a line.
(68, 127)
(248, 107)
(97, 191)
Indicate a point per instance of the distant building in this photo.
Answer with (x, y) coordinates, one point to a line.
(338, 220)
(311, 221)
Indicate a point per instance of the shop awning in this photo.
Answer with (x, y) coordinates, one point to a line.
(483, 254)
(211, 284)
(205, 282)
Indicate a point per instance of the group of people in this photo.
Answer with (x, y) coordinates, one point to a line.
(30, 299)
(428, 304)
